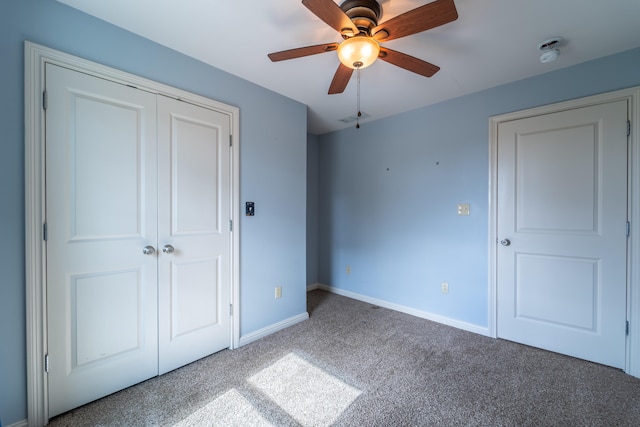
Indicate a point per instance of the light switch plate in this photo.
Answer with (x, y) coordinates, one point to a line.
(464, 209)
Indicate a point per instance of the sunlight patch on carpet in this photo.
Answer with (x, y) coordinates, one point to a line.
(230, 409)
(307, 393)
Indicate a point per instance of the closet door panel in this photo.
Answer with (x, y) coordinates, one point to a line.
(101, 211)
(194, 234)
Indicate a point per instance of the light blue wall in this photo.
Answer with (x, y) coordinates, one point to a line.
(273, 170)
(388, 192)
(312, 209)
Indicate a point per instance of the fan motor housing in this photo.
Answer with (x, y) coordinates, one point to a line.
(363, 13)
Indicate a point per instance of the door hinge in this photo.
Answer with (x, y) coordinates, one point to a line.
(44, 232)
(628, 127)
(626, 330)
(230, 309)
(628, 228)
(46, 362)
(230, 225)
(44, 100)
(230, 140)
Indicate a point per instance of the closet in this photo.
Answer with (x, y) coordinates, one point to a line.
(138, 235)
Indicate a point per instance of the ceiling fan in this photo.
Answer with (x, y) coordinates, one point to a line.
(357, 23)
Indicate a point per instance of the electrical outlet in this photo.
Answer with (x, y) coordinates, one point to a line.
(444, 287)
(348, 269)
(278, 292)
(464, 209)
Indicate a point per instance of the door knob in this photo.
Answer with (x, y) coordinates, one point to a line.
(505, 242)
(167, 249)
(148, 250)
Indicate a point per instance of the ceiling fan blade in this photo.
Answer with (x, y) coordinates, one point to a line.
(423, 18)
(302, 51)
(408, 62)
(331, 14)
(340, 79)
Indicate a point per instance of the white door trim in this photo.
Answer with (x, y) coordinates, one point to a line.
(633, 273)
(35, 255)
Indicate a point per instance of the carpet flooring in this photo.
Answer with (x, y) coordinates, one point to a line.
(354, 364)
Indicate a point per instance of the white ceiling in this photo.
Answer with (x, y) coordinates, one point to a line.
(492, 42)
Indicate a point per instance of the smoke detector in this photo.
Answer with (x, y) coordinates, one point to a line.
(549, 49)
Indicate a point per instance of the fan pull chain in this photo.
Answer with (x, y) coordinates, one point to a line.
(359, 112)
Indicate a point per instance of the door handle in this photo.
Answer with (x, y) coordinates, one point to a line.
(168, 249)
(505, 242)
(148, 250)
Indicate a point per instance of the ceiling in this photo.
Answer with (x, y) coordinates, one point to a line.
(493, 42)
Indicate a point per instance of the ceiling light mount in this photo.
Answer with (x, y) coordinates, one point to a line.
(549, 49)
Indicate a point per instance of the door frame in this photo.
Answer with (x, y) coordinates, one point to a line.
(632, 95)
(36, 56)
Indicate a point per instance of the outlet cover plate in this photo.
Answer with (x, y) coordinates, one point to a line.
(464, 209)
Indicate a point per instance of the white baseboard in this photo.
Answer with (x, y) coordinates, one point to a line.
(403, 309)
(313, 287)
(268, 330)
(23, 423)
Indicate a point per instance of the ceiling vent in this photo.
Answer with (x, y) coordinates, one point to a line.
(353, 118)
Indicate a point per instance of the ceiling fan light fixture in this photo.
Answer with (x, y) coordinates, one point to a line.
(358, 52)
(357, 23)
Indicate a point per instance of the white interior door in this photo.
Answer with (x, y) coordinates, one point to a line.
(194, 223)
(101, 210)
(562, 213)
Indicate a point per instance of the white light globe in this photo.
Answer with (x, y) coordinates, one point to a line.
(358, 52)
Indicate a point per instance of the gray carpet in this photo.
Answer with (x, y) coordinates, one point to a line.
(354, 364)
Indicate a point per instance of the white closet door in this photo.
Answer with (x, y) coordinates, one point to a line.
(101, 211)
(562, 212)
(194, 220)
